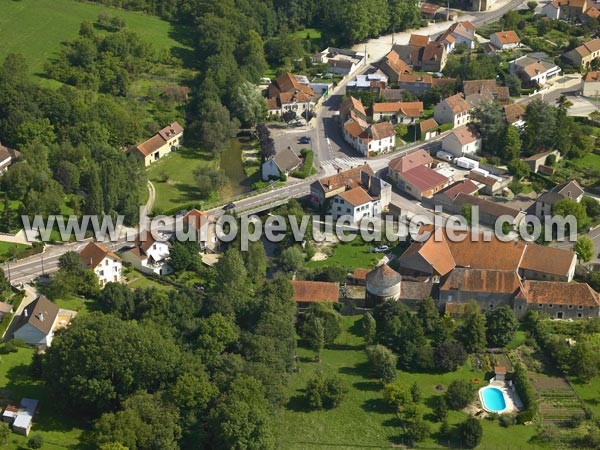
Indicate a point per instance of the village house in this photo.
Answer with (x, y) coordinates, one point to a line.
(487, 212)
(462, 141)
(37, 322)
(370, 82)
(429, 129)
(307, 292)
(286, 93)
(541, 159)
(460, 33)
(569, 190)
(447, 196)
(398, 112)
(505, 40)
(393, 66)
(421, 83)
(489, 184)
(205, 226)
(583, 55)
(574, 10)
(106, 264)
(481, 5)
(421, 54)
(149, 255)
(514, 114)
(412, 173)
(367, 139)
(355, 192)
(454, 110)
(160, 144)
(7, 157)
(282, 164)
(590, 84)
(340, 61)
(477, 91)
(534, 70)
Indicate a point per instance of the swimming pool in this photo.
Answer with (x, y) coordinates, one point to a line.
(492, 399)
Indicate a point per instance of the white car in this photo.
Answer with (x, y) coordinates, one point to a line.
(381, 249)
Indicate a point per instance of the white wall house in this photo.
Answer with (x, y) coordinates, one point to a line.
(150, 255)
(462, 141)
(454, 110)
(355, 203)
(505, 40)
(160, 144)
(375, 139)
(36, 324)
(106, 265)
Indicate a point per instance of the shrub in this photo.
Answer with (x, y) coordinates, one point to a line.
(460, 393)
(383, 362)
(325, 392)
(35, 441)
(507, 420)
(472, 432)
(525, 416)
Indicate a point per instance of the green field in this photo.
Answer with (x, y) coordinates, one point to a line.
(350, 255)
(58, 431)
(589, 161)
(36, 28)
(363, 420)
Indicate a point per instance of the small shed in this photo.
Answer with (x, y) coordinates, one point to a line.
(359, 276)
(10, 413)
(500, 373)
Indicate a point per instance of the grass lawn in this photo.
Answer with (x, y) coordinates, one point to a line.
(59, 432)
(139, 280)
(590, 161)
(75, 303)
(36, 28)
(350, 255)
(588, 392)
(9, 248)
(312, 32)
(363, 420)
(173, 178)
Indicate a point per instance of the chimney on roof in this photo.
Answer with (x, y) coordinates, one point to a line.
(41, 317)
(25, 313)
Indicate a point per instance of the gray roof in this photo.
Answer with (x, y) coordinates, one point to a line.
(41, 313)
(488, 207)
(286, 160)
(550, 197)
(383, 276)
(569, 189)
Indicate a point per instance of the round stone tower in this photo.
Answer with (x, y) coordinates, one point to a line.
(383, 283)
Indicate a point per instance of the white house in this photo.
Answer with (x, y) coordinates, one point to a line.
(372, 140)
(454, 110)
(37, 322)
(339, 61)
(106, 265)
(590, 84)
(462, 141)
(534, 69)
(160, 144)
(289, 92)
(150, 255)
(398, 112)
(284, 162)
(205, 226)
(459, 33)
(505, 40)
(356, 203)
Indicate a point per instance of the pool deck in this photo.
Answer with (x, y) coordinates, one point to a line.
(513, 402)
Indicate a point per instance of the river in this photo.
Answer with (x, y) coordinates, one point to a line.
(231, 164)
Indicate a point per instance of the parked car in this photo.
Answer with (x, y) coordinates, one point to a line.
(298, 123)
(304, 140)
(229, 206)
(381, 249)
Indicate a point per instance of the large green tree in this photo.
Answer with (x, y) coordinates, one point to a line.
(501, 326)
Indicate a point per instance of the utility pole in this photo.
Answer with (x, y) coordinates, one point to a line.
(8, 269)
(43, 271)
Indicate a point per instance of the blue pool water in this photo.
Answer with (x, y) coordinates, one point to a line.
(493, 399)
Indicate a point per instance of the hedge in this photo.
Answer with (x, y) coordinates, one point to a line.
(526, 393)
(307, 166)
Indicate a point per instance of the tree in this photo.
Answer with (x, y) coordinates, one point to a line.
(146, 421)
(192, 393)
(428, 314)
(440, 408)
(325, 392)
(532, 5)
(449, 356)
(540, 125)
(519, 168)
(256, 258)
(314, 334)
(291, 259)
(501, 325)
(403, 14)
(584, 362)
(513, 82)
(369, 328)
(411, 418)
(330, 319)
(249, 105)
(242, 419)
(209, 180)
(473, 331)
(489, 121)
(215, 334)
(4, 433)
(512, 144)
(383, 363)
(567, 207)
(217, 127)
(396, 396)
(592, 207)
(472, 432)
(183, 255)
(584, 247)
(415, 392)
(459, 394)
(70, 261)
(100, 360)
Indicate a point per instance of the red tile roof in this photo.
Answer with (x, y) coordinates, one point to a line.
(315, 291)
(160, 138)
(457, 103)
(94, 253)
(548, 260)
(460, 187)
(592, 76)
(466, 134)
(560, 293)
(428, 125)
(483, 280)
(356, 197)
(424, 178)
(507, 37)
(407, 162)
